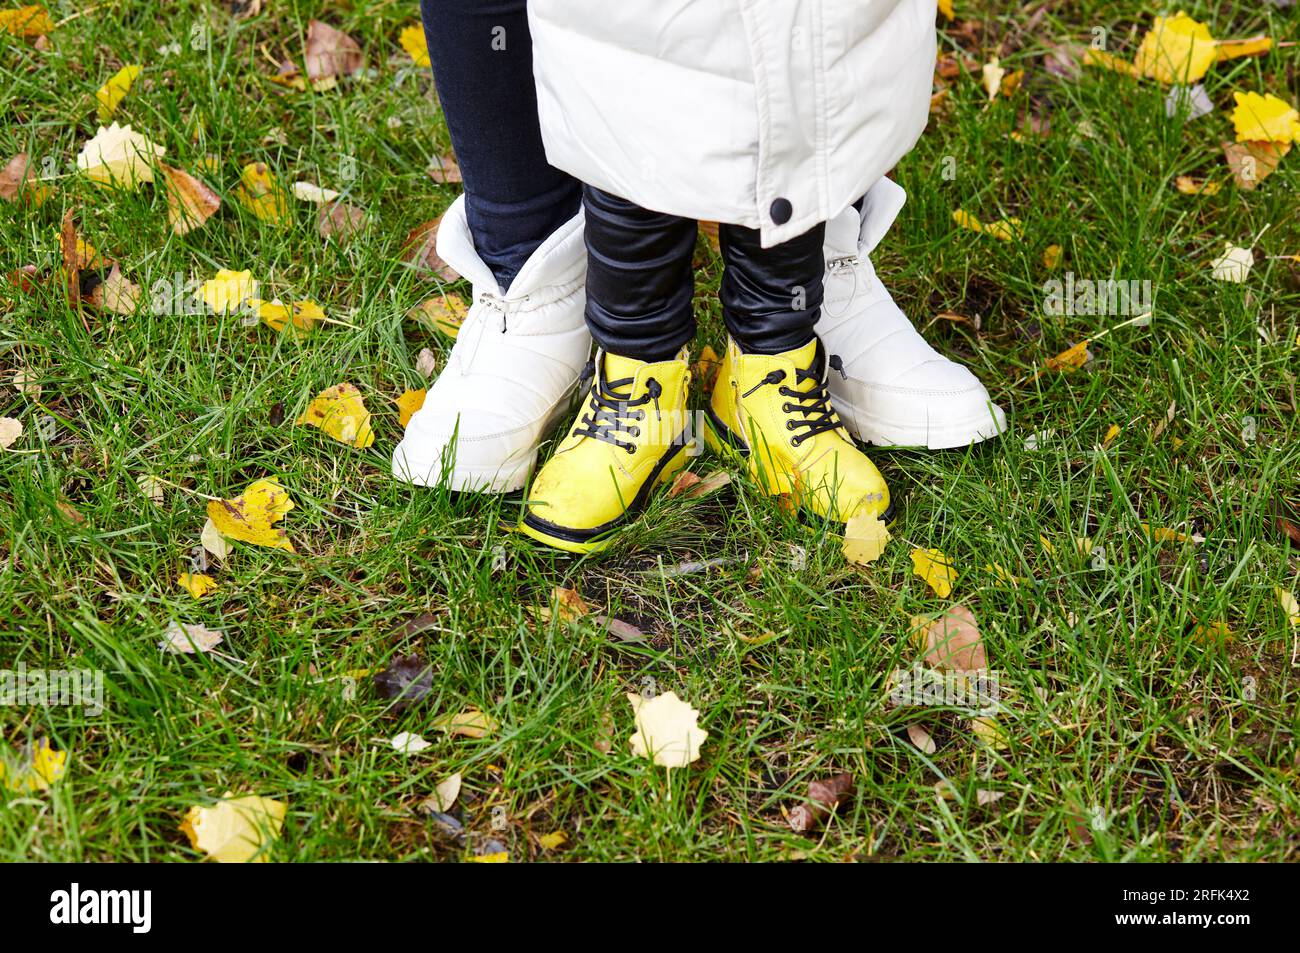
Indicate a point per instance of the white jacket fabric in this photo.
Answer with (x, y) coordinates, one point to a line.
(772, 114)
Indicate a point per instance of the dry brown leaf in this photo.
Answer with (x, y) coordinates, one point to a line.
(115, 294)
(952, 641)
(1253, 162)
(685, 480)
(921, 738)
(330, 52)
(190, 202)
(714, 481)
(420, 249)
(340, 221)
(567, 605)
(823, 798)
(18, 180)
(445, 170)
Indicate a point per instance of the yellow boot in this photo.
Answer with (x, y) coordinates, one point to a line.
(630, 435)
(774, 408)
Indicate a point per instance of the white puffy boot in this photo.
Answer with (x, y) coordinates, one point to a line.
(895, 390)
(513, 369)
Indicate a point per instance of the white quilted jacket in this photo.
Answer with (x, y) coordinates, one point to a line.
(773, 114)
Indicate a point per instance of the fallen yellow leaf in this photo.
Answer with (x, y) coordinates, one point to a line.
(300, 317)
(111, 94)
(408, 404)
(1190, 186)
(42, 767)
(259, 192)
(1290, 607)
(1232, 49)
(934, 567)
(666, 730)
(1071, 359)
(250, 517)
(471, 723)
(228, 290)
(865, 538)
(341, 412)
(196, 584)
(26, 21)
(443, 313)
(119, 156)
(412, 40)
(235, 830)
(1264, 118)
(1176, 49)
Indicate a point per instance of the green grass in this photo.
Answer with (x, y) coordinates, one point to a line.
(1128, 738)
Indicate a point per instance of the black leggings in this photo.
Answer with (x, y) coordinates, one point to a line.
(640, 282)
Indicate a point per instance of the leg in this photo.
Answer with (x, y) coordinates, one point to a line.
(483, 67)
(639, 278)
(771, 297)
(632, 430)
(771, 402)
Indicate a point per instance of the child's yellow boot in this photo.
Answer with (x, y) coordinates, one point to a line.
(631, 433)
(774, 409)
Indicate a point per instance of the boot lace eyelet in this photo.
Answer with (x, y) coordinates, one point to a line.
(789, 425)
(634, 431)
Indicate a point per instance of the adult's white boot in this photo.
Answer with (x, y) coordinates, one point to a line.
(893, 389)
(512, 372)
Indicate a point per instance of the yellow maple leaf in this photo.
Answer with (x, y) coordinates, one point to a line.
(1111, 433)
(250, 517)
(1005, 229)
(341, 413)
(44, 767)
(865, 538)
(228, 290)
(300, 317)
(235, 830)
(965, 219)
(111, 94)
(412, 40)
(1051, 257)
(408, 404)
(935, 568)
(1258, 118)
(553, 840)
(26, 21)
(196, 584)
(666, 730)
(1071, 359)
(444, 313)
(259, 192)
(1176, 49)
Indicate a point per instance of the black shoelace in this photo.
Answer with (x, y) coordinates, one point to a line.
(611, 413)
(814, 404)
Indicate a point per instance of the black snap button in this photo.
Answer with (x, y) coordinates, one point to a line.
(781, 211)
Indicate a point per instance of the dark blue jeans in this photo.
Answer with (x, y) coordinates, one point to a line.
(482, 55)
